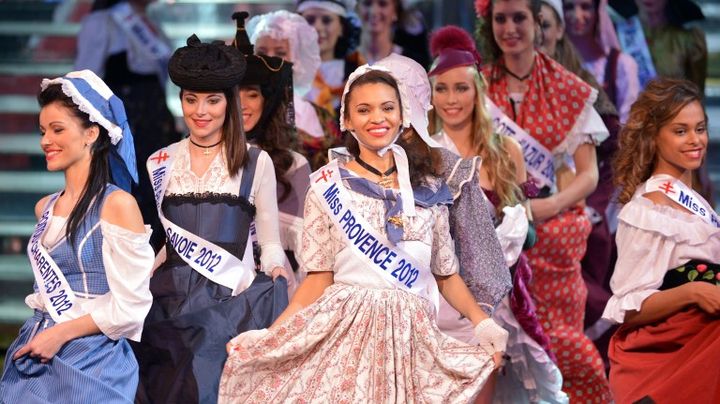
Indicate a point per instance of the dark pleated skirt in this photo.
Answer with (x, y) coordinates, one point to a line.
(182, 352)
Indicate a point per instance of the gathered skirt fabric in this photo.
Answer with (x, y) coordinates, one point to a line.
(560, 294)
(182, 352)
(672, 361)
(90, 369)
(355, 345)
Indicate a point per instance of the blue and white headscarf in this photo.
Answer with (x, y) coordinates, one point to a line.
(95, 98)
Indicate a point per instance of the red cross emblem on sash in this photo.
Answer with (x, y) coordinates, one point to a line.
(325, 176)
(162, 156)
(667, 187)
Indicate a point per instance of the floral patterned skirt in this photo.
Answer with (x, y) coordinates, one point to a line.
(560, 294)
(355, 344)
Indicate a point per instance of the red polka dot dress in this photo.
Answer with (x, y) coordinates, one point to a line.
(550, 109)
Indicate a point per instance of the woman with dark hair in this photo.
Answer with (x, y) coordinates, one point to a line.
(209, 188)
(338, 38)
(551, 113)
(264, 99)
(665, 285)
(90, 254)
(361, 326)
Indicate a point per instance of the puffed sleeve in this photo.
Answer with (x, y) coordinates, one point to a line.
(128, 259)
(482, 264)
(443, 260)
(93, 42)
(651, 239)
(318, 247)
(266, 214)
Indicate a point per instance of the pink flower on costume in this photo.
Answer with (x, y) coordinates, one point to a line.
(482, 8)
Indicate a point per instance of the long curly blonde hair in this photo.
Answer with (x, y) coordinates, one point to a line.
(655, 107)
(487, 144)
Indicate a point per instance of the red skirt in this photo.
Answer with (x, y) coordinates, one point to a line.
(560, 293)
(674, 361)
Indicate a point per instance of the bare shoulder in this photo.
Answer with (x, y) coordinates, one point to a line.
(40, 205)
(121, 209)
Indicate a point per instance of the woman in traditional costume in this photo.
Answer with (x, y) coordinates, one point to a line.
(665, 285)
(460, 121)
(209, 188)
(553, 116)
(361, 326)
(90, 254)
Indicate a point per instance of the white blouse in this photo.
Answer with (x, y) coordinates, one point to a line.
(651, 239)
(128, 260)
(216, 179)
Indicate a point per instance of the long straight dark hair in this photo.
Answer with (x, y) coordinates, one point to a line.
(93, 192)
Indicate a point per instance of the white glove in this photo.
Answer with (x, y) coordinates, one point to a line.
(492, 337)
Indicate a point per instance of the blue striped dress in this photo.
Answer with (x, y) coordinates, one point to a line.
(94, 368)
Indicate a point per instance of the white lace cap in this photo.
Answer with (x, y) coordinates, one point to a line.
(411, 76)
(302, 38)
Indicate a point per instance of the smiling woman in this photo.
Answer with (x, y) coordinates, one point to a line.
(375, 260)
(665, 285)
(208, 190)
(90, 255)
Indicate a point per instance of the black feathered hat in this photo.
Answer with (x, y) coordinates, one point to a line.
(206, 66)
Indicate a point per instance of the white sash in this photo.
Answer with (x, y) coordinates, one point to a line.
(372, 249)
(140, 33)
(208, 259)
(538, 159)
(683, 196)
(57, 296)
(632, 41)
